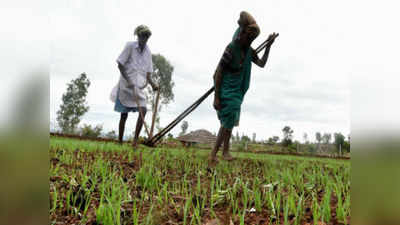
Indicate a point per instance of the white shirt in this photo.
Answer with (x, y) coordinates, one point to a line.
(137, 64)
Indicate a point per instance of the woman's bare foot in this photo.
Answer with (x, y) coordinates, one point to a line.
(228, 157)
(213, 156)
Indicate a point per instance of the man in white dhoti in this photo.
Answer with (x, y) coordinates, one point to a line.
(135, 65)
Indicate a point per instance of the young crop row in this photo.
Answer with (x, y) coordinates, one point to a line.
(104, 183)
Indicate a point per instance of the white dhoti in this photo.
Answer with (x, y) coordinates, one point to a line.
(137, 64)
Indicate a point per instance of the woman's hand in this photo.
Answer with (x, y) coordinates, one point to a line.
(271, 38)
(217, 103)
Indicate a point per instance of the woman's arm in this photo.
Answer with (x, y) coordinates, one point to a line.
(217, 86)
(223, 63)
(261, 62)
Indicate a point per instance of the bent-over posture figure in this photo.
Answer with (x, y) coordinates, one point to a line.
(232, 79)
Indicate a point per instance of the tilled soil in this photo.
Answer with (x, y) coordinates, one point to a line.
(126, 166)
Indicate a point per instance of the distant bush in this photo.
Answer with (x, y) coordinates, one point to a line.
(346, 146)
(339, 142)
(292, 148)
(91, 132)
(272, 140)
(311, 149)
(242, 146)
(111, 135)
(287, 142)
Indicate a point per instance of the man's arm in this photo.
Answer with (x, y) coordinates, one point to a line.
(124, 75)
(122, 60)
(153, 85)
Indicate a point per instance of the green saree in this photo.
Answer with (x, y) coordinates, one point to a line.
(234, 85)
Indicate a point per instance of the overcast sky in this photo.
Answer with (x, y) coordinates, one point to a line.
(304, 85)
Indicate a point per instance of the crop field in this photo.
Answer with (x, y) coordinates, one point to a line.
(106, 183)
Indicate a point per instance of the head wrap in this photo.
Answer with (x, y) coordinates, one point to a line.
(248, 25)
(142, 30)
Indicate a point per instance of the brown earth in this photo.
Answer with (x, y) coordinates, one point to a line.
(165, 214)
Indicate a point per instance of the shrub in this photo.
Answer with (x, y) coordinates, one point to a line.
(287, 142)
(88, 131)
(312, 149)
(242, 146)
(292, 148)
(346, 146)
(111, 135)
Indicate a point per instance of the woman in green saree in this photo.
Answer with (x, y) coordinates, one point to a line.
(232, 79)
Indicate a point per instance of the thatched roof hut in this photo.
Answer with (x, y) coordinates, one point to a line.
(199, 136)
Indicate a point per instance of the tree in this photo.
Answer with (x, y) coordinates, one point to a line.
(326, 138)
(254, 138)
(184, 127)
(74, 104)
(339, 141)
(162, 76)
(347, 144)
(243, 144)
(287, 136)
(305, 136)
(318, 137)
(245, 138)
(273, 140)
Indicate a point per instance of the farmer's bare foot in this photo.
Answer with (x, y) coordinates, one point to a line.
(212, 161)
(228, 157)
(213, 156)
